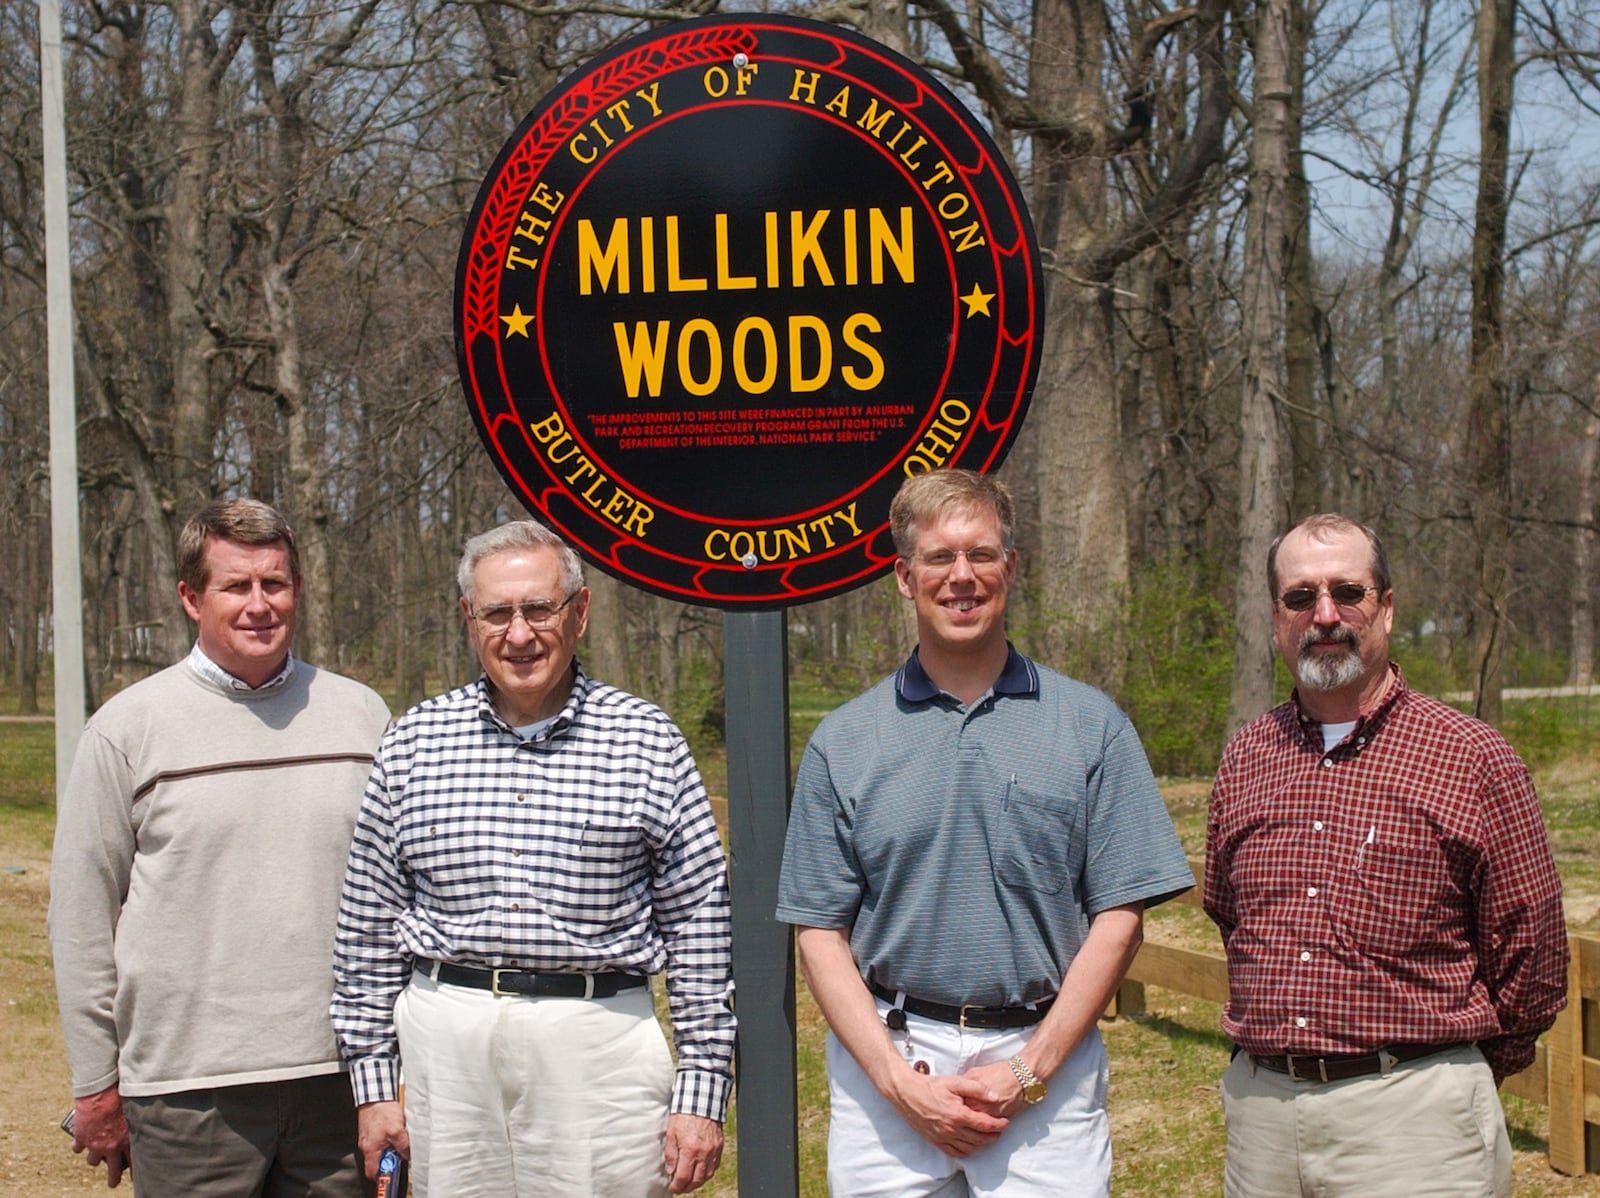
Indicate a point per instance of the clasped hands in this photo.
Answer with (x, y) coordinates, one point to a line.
(959, 1114)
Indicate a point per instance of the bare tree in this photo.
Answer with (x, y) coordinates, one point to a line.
(1580, 669)
(1070, 457)
(1488, 448)
(1260, 489)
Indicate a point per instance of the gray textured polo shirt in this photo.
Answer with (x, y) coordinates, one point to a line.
(966, 847)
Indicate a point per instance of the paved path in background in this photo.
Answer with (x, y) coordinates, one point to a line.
(1531, 692)
(27, 719)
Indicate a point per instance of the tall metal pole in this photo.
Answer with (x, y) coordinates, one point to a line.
(755, 668)
(65, 566)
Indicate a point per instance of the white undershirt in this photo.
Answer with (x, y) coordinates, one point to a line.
(1332, 734)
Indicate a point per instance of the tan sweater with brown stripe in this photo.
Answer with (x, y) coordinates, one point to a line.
(200, 847)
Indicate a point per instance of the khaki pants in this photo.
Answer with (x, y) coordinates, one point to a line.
(288, 1139)
(1432, 1129)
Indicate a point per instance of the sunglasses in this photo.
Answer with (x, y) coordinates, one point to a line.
(1345, 594)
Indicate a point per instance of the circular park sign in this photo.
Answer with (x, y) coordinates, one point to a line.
(729, 285)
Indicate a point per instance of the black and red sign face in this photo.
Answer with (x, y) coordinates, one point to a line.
(726, 288)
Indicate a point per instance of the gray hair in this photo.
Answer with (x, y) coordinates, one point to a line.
(519, 534)
(1323, 527)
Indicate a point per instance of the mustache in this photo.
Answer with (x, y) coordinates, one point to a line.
(1338, 635)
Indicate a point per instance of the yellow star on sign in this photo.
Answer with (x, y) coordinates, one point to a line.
(517, 323)
(977, 302)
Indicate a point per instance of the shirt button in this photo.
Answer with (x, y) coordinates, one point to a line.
(1361, 740)
(1305, 956)
(522, 798)
(1300, 1021)
(1326, 762)
(516, 852)
(1311, 892)
(1317, 825)
(516, 906)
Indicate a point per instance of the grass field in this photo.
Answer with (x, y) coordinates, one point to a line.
(1165, 1114)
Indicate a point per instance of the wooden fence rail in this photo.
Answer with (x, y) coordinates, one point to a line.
(1564, 1076)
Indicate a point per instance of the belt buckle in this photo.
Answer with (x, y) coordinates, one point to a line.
(588, 985)
(1322, 1068)
(965, 1007)
(494, 983)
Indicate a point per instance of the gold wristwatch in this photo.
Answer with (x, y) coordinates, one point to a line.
(1033, 1090)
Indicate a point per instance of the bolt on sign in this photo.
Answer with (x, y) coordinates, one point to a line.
(726, 287)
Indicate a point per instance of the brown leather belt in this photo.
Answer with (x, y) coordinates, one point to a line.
(1339, 1067)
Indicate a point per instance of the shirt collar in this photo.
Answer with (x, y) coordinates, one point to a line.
(1019, 676)
(563, 718)
(1366, 726)
(217, 676)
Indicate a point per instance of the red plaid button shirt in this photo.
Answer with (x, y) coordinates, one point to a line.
(1398, 888)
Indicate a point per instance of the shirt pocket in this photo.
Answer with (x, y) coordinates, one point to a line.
(1398, 893)
(1032, 842)
(590, 882)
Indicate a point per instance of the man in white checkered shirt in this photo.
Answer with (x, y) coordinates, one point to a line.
(531, 847)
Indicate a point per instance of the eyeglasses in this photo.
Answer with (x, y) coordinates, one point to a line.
(1345, 594)
(536, 613)
(979, 557)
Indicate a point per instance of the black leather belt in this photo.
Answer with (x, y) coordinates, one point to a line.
(528, 984)
(982, 1018)
(1338, 1067)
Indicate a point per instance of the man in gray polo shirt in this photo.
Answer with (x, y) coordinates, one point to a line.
(971, 848)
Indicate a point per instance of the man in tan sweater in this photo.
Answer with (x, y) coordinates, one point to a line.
(200, 846)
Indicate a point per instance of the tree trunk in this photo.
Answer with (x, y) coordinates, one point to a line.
(1260, 507)
(308, 501)
(1488, 450)
(1307, 484)
(606, 652)
(194, 136)
(28, 614)
(1080, 574)
(885, 21)
(1580, 667)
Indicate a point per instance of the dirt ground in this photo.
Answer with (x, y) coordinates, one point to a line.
(35, 1158)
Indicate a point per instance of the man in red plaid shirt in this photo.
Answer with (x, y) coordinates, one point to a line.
(1378, 865)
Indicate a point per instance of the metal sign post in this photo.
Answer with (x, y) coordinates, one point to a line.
(755, 656)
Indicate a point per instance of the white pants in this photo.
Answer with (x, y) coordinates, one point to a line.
(1432, 1129)
(1060, 1148)
(533, 1096)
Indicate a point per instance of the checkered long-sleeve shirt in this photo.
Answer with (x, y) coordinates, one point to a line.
(589, 846)
(1398, 888)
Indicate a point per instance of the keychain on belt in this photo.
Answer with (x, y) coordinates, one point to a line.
(896, 1021)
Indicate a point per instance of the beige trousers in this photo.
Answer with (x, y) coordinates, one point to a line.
(1432, 1129)
(523, 1097)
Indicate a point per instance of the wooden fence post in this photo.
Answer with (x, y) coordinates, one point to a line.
(1586, 960)
(1564, 1044)
(1128, 1000)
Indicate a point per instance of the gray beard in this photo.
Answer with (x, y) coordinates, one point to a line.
(1320, 672)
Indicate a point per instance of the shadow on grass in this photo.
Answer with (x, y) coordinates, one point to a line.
(1185, 1034)
(1524, 1140)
